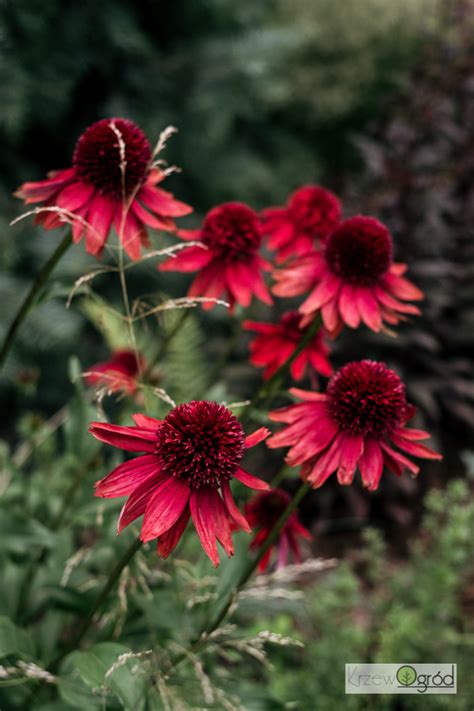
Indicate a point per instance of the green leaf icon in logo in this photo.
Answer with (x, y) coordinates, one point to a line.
(406, 675)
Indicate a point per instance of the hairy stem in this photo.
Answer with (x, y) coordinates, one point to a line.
(33, 295)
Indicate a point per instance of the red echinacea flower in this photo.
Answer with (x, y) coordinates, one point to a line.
(190, 458)
(354, 424)
(118, 374)
(353, 279)
(262, 512)
(311, 214)
(231, 264)
(277, 342)
(112, 182)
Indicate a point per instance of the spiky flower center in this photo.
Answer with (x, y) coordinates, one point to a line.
(232, 231)
(290, 321)
(360, 251)
(315, 211)
(366, 398)
(201, 442)
(113, 155)
(266, 508)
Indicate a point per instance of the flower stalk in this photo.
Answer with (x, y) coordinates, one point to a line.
(32, 296)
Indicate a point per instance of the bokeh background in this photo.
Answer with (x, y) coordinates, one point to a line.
(374, 99)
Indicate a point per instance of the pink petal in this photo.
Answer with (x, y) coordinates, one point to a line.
(158, 223)
(238, 518)
(168, 541)
(257, 437)
(414, 448)
(131, 235)
(162, 202)
(164, 508)
(127, 476)
(203, 518)
(326, 464)
(131, 439)
(351, 450)
(401, 288)
(250, 480)
(75, 195)
(145, 422)
(314, 442)
(371, 464)
(220, 515)
(42, 190)
(399, 458)
(368, 308)
(187, 260)
(100, 215)
(239, 281)
(411, 434)
(136, 504)
(307, 395)
(348, 306)
(327, 288)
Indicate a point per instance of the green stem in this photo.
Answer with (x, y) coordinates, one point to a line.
(269, 388)
(101, 598)
(165, 343)
(225, 603)
(32, 296)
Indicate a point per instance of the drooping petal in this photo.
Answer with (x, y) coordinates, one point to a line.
(162, 202)
(75, 195)
(187, 260)
(327, 288)
(414, 448)
(251, 481)
(145, 422)
(168, 541)
(127, 476)
(238, 518)
(131, 439)
(371, 464)
(203, 519)
(136, 503)
(257, 437)
(164, 508)
(99, 219)
(326, 464)
(368, 308)
(352, 447)
(348, 306)
(223, 530)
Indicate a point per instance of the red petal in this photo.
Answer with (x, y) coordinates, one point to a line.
(371, 464)
(223, 532)
(232, 509)
(250, 480)
(131, 439)
(257, 437)
(202, 515)
(74, 196)
(164, 508)
(169, 540)
(187, 260)
(145, 422)
(125, 478)
(162, 202)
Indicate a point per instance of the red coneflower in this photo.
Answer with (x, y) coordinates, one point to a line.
(231, 263)
(277, 342)
(191, 456)
(117, 374)
(354, 279)
(363, 413)
(263, 512)
(112, 182)
(311, 214)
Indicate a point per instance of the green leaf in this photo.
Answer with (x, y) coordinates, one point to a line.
(92, 666)
(14, 640)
